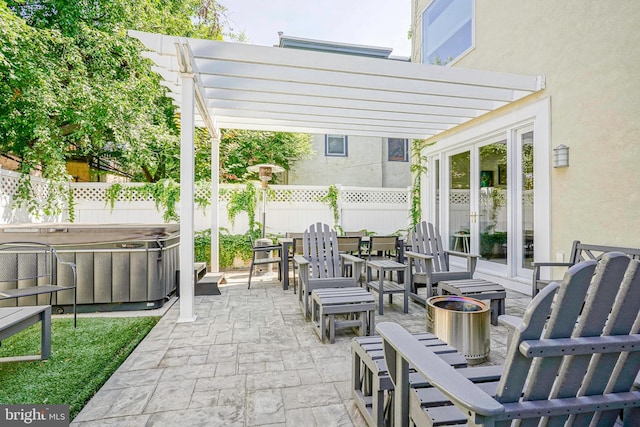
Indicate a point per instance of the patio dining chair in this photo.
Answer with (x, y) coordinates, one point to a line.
(349, 245)
(572, 360)
(382, 247)
(296, 249)
(265, 255)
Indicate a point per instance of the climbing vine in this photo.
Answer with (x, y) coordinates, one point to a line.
(165, 193)
(418, 169)
(244, 201)
(331, 199)
(71, 206)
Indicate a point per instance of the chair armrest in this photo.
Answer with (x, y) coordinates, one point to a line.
(462, 254)
(509, 321)
(472, 259)
(351, 258)
(300, 260)
(72, 266)
(267, 248)
(461, 391)
(551, 264)
(411, 254)
(357, 265)
(536, 273)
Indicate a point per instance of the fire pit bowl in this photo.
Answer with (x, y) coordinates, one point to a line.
(461, 322)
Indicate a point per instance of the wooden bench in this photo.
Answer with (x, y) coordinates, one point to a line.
(16, 319)
(579, 252)
(356, 303)
(29, 269)
(478, 289)
(370, 381)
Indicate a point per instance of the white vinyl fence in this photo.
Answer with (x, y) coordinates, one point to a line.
(289, 208)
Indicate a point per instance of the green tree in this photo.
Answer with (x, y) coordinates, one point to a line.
(242, 148)
(72, 83)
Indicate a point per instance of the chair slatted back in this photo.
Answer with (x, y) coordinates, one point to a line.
(425, 239)
(320, 247)
(583, 252)
(594, 300)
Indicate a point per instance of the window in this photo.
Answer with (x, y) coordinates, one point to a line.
(398, 150)
(447, 30)
(335, 146)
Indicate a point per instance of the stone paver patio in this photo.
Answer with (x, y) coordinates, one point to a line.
(250, 359)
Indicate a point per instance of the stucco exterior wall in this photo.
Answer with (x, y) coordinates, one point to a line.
(365, 166)
(589, 52)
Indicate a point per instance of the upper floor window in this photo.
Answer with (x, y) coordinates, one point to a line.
(335, 146)
(398, 150)
(447, 30)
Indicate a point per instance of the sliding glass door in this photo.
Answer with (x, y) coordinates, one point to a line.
(489, 202)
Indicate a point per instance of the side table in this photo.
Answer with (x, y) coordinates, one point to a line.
(383, 286)
(478, 289)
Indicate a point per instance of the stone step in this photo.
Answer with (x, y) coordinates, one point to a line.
(208, 284)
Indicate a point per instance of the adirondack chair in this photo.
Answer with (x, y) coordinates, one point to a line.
(579, 252)
(572, 360)
(320, 265)
(429, 261)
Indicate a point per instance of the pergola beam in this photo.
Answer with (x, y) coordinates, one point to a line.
(241, 86)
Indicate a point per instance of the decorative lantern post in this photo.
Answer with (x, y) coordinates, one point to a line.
(265, 173)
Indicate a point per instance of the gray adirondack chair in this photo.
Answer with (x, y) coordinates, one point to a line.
(429, 261)
(320, 265)
(572, 360)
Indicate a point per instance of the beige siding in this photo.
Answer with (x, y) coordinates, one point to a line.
(589, 52)
(365, 166)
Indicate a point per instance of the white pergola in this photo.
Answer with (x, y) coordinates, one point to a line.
(242, 86)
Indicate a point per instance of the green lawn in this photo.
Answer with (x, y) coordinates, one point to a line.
(81, 360)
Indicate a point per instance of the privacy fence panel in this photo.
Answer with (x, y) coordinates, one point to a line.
(288, 209)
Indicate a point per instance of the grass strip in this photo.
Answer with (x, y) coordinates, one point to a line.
(81, 360)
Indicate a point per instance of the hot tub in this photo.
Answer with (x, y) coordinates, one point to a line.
(119, 266)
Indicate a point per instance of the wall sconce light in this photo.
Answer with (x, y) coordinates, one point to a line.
(561, 156)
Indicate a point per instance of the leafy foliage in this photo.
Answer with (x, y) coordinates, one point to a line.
(73, 84)
(232, 246)
(331, 198)
(418, 169)
(244, 201)
(242, 148)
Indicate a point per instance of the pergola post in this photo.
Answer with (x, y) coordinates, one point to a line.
(215, 217)
(187, 161)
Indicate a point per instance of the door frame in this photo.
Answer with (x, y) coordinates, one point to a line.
(538, 116)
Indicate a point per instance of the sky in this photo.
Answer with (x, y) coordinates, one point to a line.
(380, 23)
